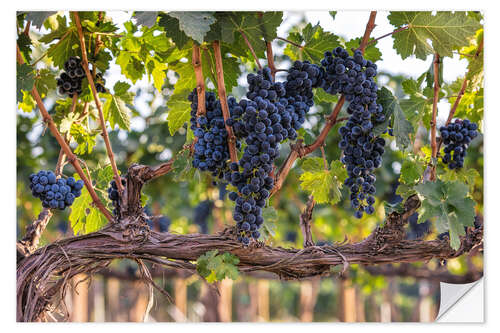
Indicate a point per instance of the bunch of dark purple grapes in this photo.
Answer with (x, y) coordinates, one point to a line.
(210, 150)
(70, 81)
(354, 76)
(114, 196)
(55, 193)
(456, 136)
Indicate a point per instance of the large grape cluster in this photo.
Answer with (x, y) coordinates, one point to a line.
(353, 76)
(114, 196)
(55, 193)
(70, 81)
(456, 136)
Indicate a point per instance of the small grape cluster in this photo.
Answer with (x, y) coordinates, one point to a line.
(201, 214)
(456, 136)
(163, 223)
(114, 196)
(70, 81)
(417, 230)
(353, 76)
(55, 193)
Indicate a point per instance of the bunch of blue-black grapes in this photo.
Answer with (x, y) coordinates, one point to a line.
(353, 76)
(70, 81)
(201, 214)
(114, 196)
(273, 113)
(456, 136)
(210, 150)
(55, 193)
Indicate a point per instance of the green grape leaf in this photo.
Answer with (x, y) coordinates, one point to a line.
(312, 164)
(402, 128)
(116, 112)
(467, 176)
(86, 141)
(131, 67)
(411, 171)
(446, 30)
(216, 267)
(405, 191)
(449, 203)
(194, 24)
(102, 61)
(179, 111)
(159, 74)
(146, 18)
(415, 108)
(410, 86)
(24, 43)
(314, 40)
(372, 52)
(172, 30)
(38, 17)
(323, 185)
(321, 96)
(389, 103)
(270, 216)
(28, 103)
(333, 14)
(269, 23)
(122, 90)
(25, 80)
(58, 28)
(45, 82)
(84, 217)
(257, 28)
(65, 48)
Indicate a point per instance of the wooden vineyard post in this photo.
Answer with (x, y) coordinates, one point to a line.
(347, 300)
(180, 287)
(225, 301)
(263, 300)
(80, 299)
(308, 296)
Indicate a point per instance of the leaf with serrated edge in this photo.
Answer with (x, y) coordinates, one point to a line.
(194, 24)
(116, 112)
(179, 111)
(446, 30)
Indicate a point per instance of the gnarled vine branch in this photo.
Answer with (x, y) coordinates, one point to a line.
(45, 273)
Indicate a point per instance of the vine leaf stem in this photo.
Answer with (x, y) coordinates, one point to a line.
(434, 115)
(102, 121)
(67, 150)
(251, 49)
(223, 101)
(270, 59)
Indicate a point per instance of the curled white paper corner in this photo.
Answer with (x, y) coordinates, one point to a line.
(462, 302)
